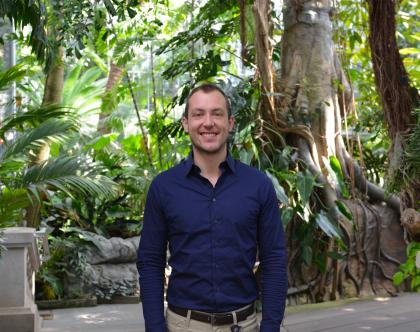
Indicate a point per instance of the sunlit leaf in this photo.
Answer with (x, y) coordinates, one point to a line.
(281, 194)
(327, 226)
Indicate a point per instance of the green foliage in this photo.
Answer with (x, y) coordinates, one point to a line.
(83, 89)
(408, 175)
(408, 37)
(22, 182)
(13, 74)
(408, 270)
(195, 42)
(67, 261)
(328, 226)
(28, 13)
(13, 201)
(117, 215)
(367, 121)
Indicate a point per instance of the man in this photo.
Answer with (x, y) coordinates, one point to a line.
(215, 213)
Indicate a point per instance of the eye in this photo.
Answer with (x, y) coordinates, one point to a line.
(196, 114)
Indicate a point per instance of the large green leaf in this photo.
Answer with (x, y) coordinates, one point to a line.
(35, 117)
(336, 174)
(71, 175)
(344, 209)
(101, 142)
(11, 166)
(12, 75)
(286, 215)
(83, 92)
(305, 184)
(328, 227)
(281, 194)
(50, 130)
(307, 255)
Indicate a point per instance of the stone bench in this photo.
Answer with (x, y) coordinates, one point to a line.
(18, 265)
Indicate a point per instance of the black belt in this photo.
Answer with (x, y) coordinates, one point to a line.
(214, 318)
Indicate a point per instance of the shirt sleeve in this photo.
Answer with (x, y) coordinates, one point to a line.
(272, 254)
(151, 262)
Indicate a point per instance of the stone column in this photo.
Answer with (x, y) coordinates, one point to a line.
(18, 264)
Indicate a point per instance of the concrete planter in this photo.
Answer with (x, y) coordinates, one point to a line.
(18, 264)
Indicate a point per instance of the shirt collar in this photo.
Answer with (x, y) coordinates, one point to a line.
(189, 163)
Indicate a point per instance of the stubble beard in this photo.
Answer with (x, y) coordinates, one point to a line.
(212, 152)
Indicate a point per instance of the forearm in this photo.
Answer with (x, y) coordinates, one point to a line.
(152, 294)
(151, 262)
(274, 292)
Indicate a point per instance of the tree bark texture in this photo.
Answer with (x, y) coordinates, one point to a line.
(114, 76)
(393, 84)
(53, 89)
(53, 92)
(305, 102)
(264, 51)
(391, 77)
(310, 73)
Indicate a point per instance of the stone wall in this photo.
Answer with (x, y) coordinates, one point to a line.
(110, 269)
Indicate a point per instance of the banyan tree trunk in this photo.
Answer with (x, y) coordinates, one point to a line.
(314, 97)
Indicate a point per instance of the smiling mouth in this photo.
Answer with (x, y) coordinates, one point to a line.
(208, 134)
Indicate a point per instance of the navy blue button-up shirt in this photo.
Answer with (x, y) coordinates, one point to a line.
(214, 234)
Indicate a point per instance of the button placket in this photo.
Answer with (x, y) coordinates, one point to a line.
(214, 265)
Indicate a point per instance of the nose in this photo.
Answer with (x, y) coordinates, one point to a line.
(208, 120)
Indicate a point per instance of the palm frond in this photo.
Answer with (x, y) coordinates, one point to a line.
(70, 175)
(12, 201)
(11, 165)
(12, 74)
(36, 116)
(50, 130)
(75, 85)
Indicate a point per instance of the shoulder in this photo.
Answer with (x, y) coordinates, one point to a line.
(256, 179)
(170, 174)
(251, 173)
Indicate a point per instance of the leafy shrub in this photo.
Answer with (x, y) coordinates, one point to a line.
(409, 270)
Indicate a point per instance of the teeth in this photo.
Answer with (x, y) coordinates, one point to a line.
(208, 134)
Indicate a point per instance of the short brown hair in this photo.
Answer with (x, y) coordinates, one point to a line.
(207, 87)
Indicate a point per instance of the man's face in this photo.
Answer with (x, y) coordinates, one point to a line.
(208, 122)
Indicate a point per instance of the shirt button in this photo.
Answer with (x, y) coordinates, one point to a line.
(214, 199)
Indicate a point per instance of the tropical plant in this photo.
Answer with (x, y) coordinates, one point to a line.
(67, 261)
(119, 215)
(409, 270)
(22, 184)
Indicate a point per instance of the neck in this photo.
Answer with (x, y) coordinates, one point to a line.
(209, 162)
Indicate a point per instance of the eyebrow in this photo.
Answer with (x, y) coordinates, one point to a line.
(203, 110)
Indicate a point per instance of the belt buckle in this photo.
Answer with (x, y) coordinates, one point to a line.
(216, 319)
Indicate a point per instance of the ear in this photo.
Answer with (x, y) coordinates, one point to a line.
(231, 122)
(185, 124)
